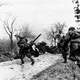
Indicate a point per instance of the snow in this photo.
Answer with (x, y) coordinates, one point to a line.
(12, 70)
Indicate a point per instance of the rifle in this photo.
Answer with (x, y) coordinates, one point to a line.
(36, 37)
(18, 36)
(32, 42)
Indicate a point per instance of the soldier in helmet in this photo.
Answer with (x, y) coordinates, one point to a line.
(63, 48)
(25, 49)
(70, 44)
(71, 29)
(71, 34)
(64, 43)
(67, 45)
(73, 37)
(21, 44)
(74, 43)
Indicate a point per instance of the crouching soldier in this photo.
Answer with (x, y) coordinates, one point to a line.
(21, 44)
(24, 49)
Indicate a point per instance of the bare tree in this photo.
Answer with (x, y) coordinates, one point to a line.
(55, 32)
(9, 28)
(50, 35)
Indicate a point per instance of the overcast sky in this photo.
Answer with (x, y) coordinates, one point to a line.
(38, 13)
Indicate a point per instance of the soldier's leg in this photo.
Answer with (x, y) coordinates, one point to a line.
(21, 56)
(64, 54)
(30, 57)
(32, 60)
(65, 58)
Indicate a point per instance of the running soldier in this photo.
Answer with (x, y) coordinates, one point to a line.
(24, 49)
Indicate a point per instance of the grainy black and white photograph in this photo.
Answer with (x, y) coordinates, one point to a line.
(39, 39)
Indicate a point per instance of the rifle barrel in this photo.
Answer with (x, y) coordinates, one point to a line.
(36, 37)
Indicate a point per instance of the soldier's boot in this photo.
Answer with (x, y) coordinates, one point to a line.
(22, 61)
(32, 61)
(65, 59)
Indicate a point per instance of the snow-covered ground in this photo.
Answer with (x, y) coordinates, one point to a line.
(12, 70)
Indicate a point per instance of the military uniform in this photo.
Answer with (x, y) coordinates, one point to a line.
(21, 44)
(74, 39)
(63, 47)
(25, 50)
(70, 44)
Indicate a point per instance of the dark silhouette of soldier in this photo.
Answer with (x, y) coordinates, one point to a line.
(25, 49)
(63, 47)
(73, 38)
(21, 43)
(74, 42)
(29, 52)
(67, 45)
(71, 34)
(70, 44)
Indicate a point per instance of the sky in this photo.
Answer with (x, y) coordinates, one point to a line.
(39, 14)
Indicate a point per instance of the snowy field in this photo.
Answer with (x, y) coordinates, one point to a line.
(12, 70)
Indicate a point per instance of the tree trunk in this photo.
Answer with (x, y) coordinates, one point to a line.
(11, 42)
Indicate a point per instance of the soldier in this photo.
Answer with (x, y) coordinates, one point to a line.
(68, 45)
(29, 51)
(64, 43)
(21, 44)
(63, 47)
(73, 36)
(74, 42)
(25, 48)
(73, 33)
(70, 34)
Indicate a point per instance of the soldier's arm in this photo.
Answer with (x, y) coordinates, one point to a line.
(76, 35)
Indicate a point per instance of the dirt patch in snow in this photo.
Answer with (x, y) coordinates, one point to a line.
(59, 71)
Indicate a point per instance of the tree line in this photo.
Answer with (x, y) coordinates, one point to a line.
(9, 46)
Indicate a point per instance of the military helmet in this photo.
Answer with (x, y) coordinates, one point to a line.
(20, 37)
(43, 43)
(71, 29)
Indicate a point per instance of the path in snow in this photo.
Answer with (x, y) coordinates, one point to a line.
(12, 70)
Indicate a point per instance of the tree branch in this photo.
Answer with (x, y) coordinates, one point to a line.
(6, 30)
(12, 24)
(7, 25)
